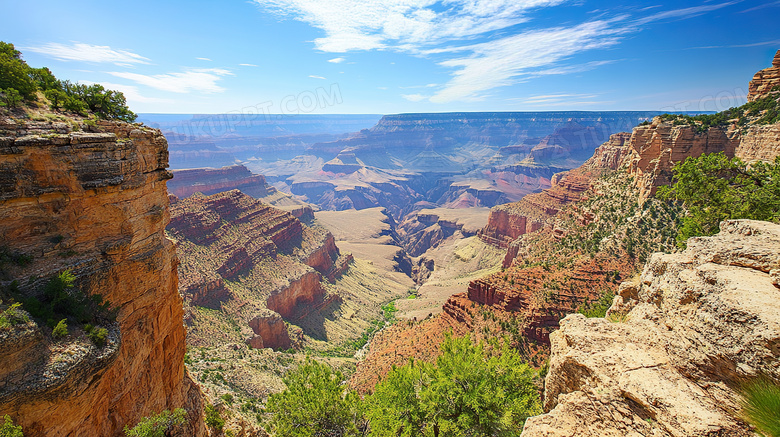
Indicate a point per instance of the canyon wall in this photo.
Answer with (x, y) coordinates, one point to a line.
(214, 180)
(252, 262)
(675, 345)
(92, 200)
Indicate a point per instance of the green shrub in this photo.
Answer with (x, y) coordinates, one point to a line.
(714, 188)
(227, 397)
(598, 307)
(98, 335)
(61, 330)
(214, 420)
(11, 97)
(159, 425)
(8, 429)
(761, 405)
(13, 316)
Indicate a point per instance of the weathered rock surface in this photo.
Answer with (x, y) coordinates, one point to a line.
(700, 321)
(96, 203)
(765, 80)
(247, 259)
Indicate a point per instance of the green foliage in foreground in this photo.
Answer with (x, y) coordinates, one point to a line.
(314, 403)
(159, 425)
(714, 188)
(214, 419)
(12, 316)
(761, 406)
(471, 390)
(8, 429)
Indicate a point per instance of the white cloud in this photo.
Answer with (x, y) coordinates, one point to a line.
(88, 53)
(336, 60)
(203, 59)
(414, 97)
(202, 80)
(504, 61)
(316, 77)
(448, 29)
(248, 65)
(683, 13)
(410, 24)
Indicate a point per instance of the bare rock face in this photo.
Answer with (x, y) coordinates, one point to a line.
(95, 203)
(270, 331)
(215, 180)
(654, 149)
(765, 80)
(759, 143)
(698, 322)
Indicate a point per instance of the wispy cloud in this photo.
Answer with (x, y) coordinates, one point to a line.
(200, 80)
(683, 13)
(203, 59)
(504, 61)
(446, 30)
(316, 77)
(248, 65)
(88, 53)
(553, 98)
(378, 24)
(773, 42)
(336, 60)
(414, 97)
(765, 5)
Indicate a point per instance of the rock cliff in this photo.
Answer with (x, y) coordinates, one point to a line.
(92, 199)
(765, 80)
(214, 180)
(675, 344)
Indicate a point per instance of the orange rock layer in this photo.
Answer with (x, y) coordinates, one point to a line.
(96, 203)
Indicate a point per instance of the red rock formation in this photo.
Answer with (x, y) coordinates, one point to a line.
(654, 149)
(765, 80)
(291, 301)
(270, 331)
(216, 180)
(95, 203)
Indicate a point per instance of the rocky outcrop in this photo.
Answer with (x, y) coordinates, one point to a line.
(301, 292)
(216, 180)
(94, 202)
(765, 80)
(654, 149)
(698, 323)
(270, 331)
(760, 142)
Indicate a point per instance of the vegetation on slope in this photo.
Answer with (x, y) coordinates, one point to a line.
(472, 389)
(713, 188)
(765, 110)
(19, 83)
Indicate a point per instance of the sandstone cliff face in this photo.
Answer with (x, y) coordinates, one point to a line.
(214, 180)
(765, 80)
(655, 148)
(94, 202)
(697, 323)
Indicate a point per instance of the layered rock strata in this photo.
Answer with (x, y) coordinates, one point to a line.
(93, 202)
(765, 80)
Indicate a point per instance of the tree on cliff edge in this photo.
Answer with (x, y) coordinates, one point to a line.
(714, 188)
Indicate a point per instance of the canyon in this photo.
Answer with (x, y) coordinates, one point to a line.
(92, 199)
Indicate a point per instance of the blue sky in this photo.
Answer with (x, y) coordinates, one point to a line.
(382, 56)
